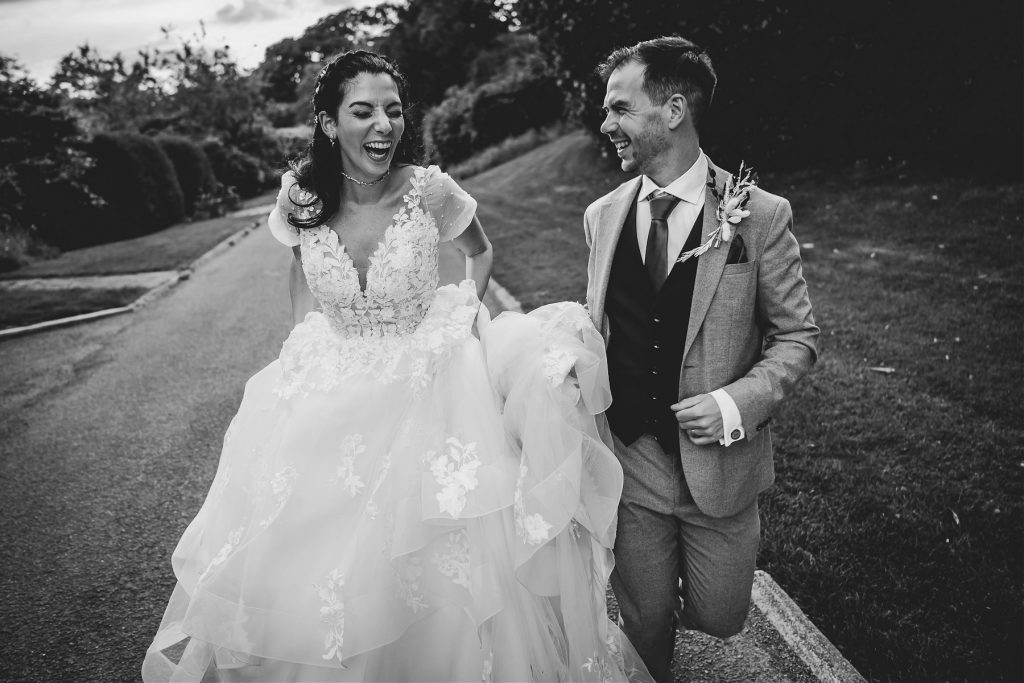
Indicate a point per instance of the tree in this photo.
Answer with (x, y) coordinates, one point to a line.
(579, 34)
(435, 41)
(189, 89)
(42, 165)
(208, 92)
(288, 61)
(108, 92)
(815, 82)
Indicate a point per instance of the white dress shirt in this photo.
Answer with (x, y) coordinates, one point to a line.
(689, 187)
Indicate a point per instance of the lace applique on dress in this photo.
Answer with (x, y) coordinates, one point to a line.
(281, 488)
(371, 510)
(597, 665)
(233, 539)
(399, 328)
(454, 469)
(408, 572)
(400, 281)
(454, 563)
(531, 529)
(332, 613)
(345, 473)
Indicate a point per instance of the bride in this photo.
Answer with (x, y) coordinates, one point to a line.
(396, 499)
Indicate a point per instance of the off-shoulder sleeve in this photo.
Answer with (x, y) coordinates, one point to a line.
(290, 200)
(451, 206)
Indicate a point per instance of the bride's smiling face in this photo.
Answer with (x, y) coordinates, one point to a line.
(368, 124)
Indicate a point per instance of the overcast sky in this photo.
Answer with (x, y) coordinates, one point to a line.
(39, 32)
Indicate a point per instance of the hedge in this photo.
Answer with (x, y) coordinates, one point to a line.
(470, 118)
(139, 188)
(192, 167)
(42, 167)
(241, 172)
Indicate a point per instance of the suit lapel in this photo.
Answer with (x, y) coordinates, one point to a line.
(710, 264)
(611, 215)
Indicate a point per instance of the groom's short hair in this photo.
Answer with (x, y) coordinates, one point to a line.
(671, 65)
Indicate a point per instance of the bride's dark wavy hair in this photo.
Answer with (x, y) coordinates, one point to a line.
(318, 170)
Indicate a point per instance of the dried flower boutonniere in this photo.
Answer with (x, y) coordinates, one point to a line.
(731, 210)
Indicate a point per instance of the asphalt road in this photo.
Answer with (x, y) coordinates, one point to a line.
(109, 438)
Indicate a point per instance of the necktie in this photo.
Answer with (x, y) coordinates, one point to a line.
(656, 258)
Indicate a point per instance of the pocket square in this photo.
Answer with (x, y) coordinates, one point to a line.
(737, 251)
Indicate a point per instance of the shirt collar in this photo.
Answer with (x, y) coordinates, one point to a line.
(689, 187)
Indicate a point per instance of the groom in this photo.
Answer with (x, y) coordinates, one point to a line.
(701, 352)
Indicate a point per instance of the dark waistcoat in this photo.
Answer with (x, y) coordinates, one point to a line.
(647, 332)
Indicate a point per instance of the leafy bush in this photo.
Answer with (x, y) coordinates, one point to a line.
(42, 167)
(242, 173)
(138, 183)
(192, 167)
(285, 114)
(507, 100)
(448, 127)
(269, 149)
(292, 140)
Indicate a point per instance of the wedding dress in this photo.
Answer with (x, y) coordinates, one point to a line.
(397, 500)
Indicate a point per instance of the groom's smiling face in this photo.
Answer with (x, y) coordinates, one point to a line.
(636, 126)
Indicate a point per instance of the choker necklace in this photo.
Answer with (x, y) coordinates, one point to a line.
(346, 176)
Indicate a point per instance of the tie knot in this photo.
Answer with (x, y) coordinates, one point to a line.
(662, 205)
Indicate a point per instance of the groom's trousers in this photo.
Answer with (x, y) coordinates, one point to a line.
(663, 538)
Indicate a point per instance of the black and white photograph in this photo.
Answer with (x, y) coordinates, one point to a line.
(511, 340)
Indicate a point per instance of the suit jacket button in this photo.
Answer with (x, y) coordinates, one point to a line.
(736, 434)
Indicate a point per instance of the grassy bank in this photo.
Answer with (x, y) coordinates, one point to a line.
(896, 519)
(27, 307)
(169, 249)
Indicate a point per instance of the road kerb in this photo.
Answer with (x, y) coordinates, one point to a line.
(12, 332)
(802, 636)
(225, 244)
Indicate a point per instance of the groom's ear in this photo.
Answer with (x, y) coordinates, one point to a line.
(677, 109)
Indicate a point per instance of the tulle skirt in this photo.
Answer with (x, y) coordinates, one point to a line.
(431, 507)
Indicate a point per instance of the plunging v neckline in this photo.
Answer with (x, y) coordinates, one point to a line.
(339, 249)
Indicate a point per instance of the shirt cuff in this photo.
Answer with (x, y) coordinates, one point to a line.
(731, 421)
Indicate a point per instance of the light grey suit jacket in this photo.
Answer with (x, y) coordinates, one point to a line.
(750, 332)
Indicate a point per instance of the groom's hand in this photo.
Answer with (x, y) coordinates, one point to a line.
(701, 418)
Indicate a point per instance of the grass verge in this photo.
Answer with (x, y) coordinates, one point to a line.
(169, 249)
(896, 519)
(27, 307)
(506, 150)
